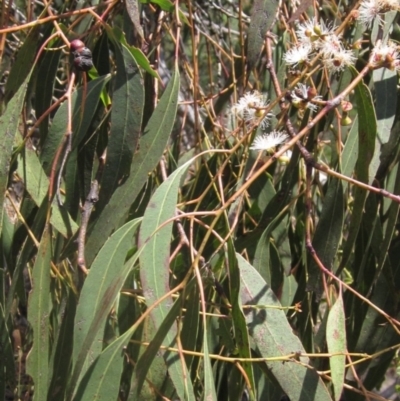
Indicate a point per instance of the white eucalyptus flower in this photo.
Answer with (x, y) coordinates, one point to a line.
(312, 31)
(371, 9)
(368, 11)
(269, 141)
(385, 55)
(298, 55)
(250, 108)
(339, 59)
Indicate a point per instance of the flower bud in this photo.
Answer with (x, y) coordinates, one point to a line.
(346, 120)
(76, 45)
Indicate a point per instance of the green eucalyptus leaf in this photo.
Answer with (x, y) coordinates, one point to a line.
(336, 341)
(37, 185)
(8, 130)
(155, 237)
(48, 68)
(273, 337)
(242, 335)
(262, 17)
(102, 285)
(7, 365)
(367, 131)
(328, 234)
(146, 359)
(84, 105)
(126, 123)
(151, 148)
(132, 8)
(22, 67)
(38, 315)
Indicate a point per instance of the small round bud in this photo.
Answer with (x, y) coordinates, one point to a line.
(317, 30)
(308, 33)
(76, 45)
(346, 121)
(284, 159)
(299, 103)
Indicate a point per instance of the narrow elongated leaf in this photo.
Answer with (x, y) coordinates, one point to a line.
(126, 122)
(282, 244)
(350, 152)
(328, 233)
(274, 337)
(262, 17)
(154, 262)
(367, 130)
(22, 67)
(336, 341)
(209, 386)
(189, 332)
(84, 106)
(44, 87)
(238, 319)
(289, 289)
(393, 212)
(375, 335)
(385, 104)
(151, 148)
(137, 54)
(62, 351)
(385, 82)
(132, 8)
(37, 185)
(146, 359)
(155, 368)
(102, 380)
(7, 367)
(8, 129)
(38, 316)
(262, 256)
(102, 285)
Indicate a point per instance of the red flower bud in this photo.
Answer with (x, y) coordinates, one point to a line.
(76, 45)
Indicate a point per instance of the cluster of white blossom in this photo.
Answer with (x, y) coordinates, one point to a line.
(251, 108)
(302, 97)
(371, 10)
(317, 38)
(385, 55)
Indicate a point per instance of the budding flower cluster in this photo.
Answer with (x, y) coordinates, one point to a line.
(251, 108)
(385, 55)
(303, 96)
(82, 55)
(317, 38)
(370, 10)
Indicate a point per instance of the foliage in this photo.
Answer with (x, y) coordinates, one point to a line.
(200, 199)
